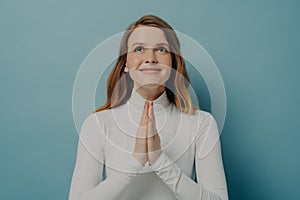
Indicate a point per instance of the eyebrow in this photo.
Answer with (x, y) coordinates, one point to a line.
(161, 43)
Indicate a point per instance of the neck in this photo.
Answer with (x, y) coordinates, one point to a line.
(150, 93)
(140, 95)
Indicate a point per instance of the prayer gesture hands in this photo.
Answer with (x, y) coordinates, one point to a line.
(147, 144)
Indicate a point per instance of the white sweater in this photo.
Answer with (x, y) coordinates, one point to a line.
(107, 138)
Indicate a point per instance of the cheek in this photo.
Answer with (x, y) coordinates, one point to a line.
(133, 60)
(168, 73)
(167, 61)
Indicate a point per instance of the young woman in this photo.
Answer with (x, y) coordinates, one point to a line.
(148, 135)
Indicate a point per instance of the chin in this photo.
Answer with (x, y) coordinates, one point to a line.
(151, 85)
(151, 81)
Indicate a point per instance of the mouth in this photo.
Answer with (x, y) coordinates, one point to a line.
(150, 70)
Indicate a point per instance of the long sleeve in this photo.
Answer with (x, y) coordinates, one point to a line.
(209, 168)
(86, 181)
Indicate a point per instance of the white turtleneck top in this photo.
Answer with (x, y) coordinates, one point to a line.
(188, 142)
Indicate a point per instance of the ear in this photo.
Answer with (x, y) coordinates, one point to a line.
(126, 69)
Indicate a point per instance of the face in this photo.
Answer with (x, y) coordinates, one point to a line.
(149, 60)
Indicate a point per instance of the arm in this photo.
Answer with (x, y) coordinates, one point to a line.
(86, 181)
(209, 168)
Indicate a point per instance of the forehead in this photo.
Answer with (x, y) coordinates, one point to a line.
(147, 35)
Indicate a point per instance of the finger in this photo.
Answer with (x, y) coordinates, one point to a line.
(144, 117)
(152, 125)
(142, 130)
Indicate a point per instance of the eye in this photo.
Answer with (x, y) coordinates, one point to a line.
(139, 49)
(162, 49)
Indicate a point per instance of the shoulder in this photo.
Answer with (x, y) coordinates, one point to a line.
(200, 116)
(107, 117)
(108, 112)
(205, 120)
(196, 122)
(90, 124)
(95, 121)
(102, 114)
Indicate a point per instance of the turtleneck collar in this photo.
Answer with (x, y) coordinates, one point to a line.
(138, 101)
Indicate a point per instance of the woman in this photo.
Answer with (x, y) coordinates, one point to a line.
(148, 135)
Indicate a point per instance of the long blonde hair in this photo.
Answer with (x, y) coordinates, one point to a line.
(120, 85)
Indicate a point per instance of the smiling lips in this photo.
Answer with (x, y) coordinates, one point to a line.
(150, 70)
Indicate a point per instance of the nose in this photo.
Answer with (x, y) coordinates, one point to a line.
(150, 56)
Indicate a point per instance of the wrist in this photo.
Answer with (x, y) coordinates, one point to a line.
(153, 156)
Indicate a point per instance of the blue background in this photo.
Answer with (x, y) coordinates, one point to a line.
(255, 45)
